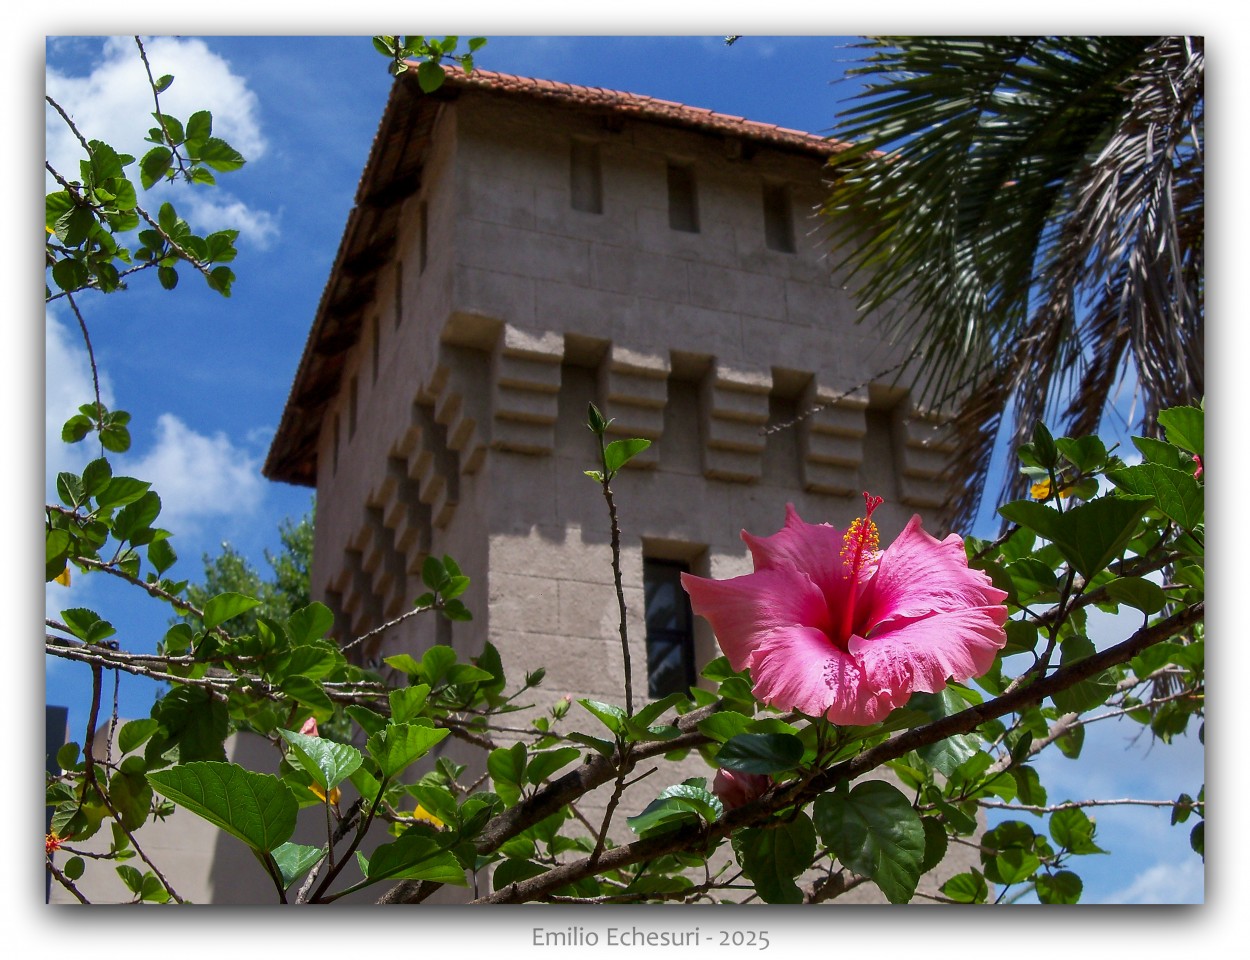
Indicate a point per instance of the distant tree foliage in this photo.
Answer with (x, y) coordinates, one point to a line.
(280, 595)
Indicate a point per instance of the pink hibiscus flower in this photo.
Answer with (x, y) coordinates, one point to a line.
(831, 626)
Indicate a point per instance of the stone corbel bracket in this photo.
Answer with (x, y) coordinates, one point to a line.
(734, 409)
(633, 390)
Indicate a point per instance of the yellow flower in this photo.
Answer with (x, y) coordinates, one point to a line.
(423, 814)
(1042, 489)
(335, 795)
(63, 577)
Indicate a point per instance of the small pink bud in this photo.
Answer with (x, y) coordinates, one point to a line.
(737, 789)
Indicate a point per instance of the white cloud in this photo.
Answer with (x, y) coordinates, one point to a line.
(67, 386)
(197, 476)
(1164, 883)
(259, 227)
(114, 103)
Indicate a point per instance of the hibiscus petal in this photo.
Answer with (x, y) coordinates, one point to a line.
(813, 549)
(919, 575)
(745, 609)
(907, 655)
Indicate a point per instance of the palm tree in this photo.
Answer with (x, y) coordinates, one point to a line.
(1027, 214)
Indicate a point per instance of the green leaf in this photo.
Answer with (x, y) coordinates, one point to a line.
(506, 767)
(257, 808)
(87, 625)
(328, 763)
(543, 765)
(220, 155)
(404, 663)
(620, 452)
(1062, 886)
(761, 753)
(415, 857)
(515, 870)
(1175, 492)
(310, 623)
(407, 702)
(1089, 536)
(1085, 694)
(874, 831)
(154, 165)
(136, 517)
(120, 491)
(676, 805)
(309, 693)
(935, 843)
(1184, 427)
(400, 745)
(966, 888)
(430, 76)
(947, 755)
(1137, 592)
(724, 725)
(294, 860)
(135, 733)
(610, 716)
(226, 606)
(1074, 831)
(161, 555)
(436, 662)
(74, 867)
(773, 856)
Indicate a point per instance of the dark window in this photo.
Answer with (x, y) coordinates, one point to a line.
(585, 178)
(683, 205)
(778, 223)
(670, 629)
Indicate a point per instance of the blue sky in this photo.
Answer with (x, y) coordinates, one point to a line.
(206, 378)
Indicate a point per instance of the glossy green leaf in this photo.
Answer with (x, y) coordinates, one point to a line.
(761, 753)
(506, 766)
(415, 857)
(610, 716)
(226, 606)
(310, 623)
(294, 860)
(774, 856)
(401, 744)
(1175, 492)
(406, 702)
(257, 808)
(1089, 535)
(543, 765)
(874, 831)
(620, 452)
(966, 888)
(1138, 592)
(328, 763)
(1184, 427)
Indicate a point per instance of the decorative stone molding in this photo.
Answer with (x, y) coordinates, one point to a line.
(525, 388)
(633, 388)
(831, 440)
(733, 408)
(923, 444)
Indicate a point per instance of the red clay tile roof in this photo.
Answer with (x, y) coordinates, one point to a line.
(643, 107)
